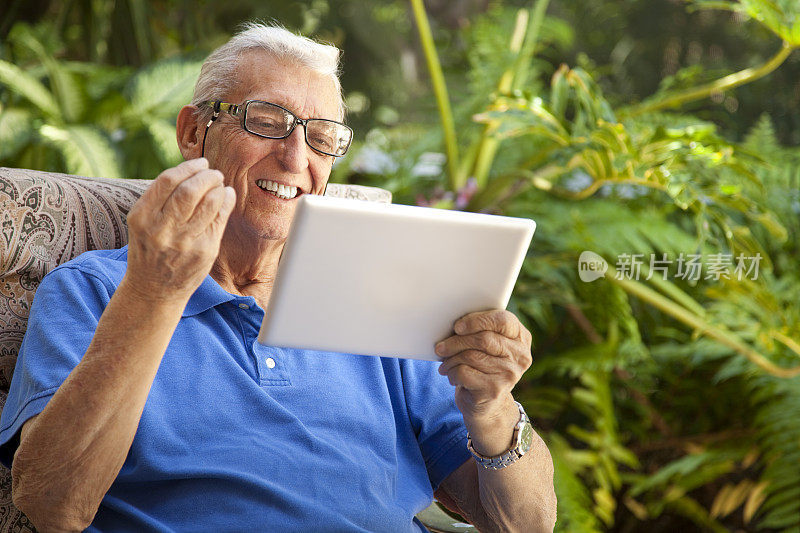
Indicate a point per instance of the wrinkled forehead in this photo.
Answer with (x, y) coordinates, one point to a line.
(286, 82)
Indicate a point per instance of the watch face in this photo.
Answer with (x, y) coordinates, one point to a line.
(526, 437)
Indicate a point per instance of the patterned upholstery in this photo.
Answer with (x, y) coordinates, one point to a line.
(47, 219)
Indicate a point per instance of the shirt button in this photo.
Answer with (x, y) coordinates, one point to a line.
(244, 306)
(270, 362)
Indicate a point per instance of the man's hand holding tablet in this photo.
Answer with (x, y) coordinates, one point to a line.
(484, 360)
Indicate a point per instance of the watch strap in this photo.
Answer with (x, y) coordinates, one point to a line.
(512, 455)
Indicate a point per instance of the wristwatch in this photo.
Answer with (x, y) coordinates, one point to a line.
(520, 444)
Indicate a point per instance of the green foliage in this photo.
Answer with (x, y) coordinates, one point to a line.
(30, 88)
(781, 16)
(666, 403)
(778, 435)
(158, 90)
(575, 511)
(633, 354)
(86, 151)
(89, 119)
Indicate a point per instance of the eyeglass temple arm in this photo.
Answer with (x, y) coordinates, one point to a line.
(216, 105)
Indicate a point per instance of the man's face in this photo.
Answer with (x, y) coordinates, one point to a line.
(246, 159)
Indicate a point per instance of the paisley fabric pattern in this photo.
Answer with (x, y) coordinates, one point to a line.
(47, 219)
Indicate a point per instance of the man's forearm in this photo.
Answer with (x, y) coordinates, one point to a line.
(519, 497)
(485, 359)
(73, 450)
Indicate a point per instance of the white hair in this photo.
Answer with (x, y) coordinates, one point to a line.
(218, 73)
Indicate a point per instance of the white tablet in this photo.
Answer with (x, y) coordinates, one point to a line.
(388, 280)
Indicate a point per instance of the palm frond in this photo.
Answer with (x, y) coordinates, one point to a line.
(25, 86)
(575, 505)
(162, 89)
(16, 130)
(68, 92)
(164, 142)
(778, 433)
(86, 151)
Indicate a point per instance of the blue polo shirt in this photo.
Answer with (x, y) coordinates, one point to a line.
(236, 436)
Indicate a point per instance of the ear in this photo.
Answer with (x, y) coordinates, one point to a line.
(188, 132)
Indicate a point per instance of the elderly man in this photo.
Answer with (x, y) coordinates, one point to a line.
(139, 403)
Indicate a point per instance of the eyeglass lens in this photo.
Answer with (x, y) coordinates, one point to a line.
(272, 121)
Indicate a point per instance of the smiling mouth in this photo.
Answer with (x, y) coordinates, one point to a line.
(284, 192)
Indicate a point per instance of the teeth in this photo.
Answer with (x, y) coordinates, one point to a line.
(281, 191)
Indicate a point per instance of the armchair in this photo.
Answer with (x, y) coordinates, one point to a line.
(47, 219)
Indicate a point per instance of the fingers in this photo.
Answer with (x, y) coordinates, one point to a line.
(166, 182)
(181, 197)
(217, 202)
(498, 320)
(485, 376)
(489, 342)
(488, 354)
(218, 225)
(475, 381)
(176, 230)
(182, 202)
(480, 361)
(467, 377)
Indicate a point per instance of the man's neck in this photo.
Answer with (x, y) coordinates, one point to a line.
(247, 268)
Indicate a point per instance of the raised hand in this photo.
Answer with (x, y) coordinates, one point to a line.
(175, 230)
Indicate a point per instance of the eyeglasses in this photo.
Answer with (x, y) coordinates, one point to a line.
(275, 122)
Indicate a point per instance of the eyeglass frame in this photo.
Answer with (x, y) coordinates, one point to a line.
(240, 110)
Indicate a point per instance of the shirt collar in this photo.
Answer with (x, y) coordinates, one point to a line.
(209, 294)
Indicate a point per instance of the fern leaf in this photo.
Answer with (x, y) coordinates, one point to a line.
(162, 89)
(761, 138)
(16, 131)
(166, 147)
(575, 504)
(23, 84)
(689, 472)
(86, 150)
(779, 437)
(65, 87)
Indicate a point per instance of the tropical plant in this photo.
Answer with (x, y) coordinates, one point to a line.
(668, 402)
(89, 119)
(666, 398)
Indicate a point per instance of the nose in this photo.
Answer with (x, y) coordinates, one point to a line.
(293, 153)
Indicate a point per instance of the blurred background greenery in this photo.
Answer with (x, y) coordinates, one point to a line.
(646, 127)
